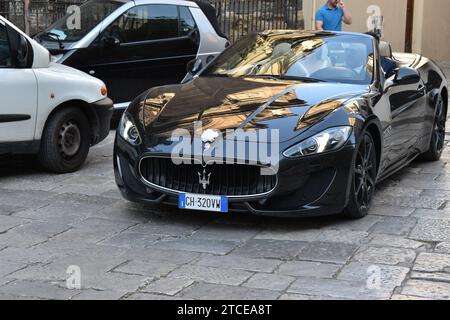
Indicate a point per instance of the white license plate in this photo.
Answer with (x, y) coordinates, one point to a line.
(203, 202)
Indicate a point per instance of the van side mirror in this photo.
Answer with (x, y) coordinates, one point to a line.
(405, 76)
(194, 66)
(21, 53)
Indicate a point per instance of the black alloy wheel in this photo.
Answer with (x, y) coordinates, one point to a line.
(439, 126)
(363, 180)
(437, 142)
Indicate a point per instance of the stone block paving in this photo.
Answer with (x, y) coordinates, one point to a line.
(50, 223)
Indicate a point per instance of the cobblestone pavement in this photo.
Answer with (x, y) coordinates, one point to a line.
(50, 222)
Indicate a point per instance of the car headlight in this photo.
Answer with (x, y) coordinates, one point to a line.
(328, 140)
(128, 130)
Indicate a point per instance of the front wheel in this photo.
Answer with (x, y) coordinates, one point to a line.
(65, 141)
(437, 143)
(363, 179)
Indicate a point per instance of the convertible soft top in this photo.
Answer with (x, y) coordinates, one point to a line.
(211, 13)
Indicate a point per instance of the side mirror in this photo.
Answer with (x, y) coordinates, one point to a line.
(194, 66)
(21, 50)
(21, 53)
(111, 41)
(405, 76)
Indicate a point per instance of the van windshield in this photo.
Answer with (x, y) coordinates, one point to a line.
(79, 22)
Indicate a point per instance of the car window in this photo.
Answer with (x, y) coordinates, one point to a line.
(146, 22)
(70, 28)
(187, 22)
(344, 59)
(325, 57)
(5, 52)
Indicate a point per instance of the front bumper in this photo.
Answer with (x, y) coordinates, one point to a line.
(309, 186)
(103, 111)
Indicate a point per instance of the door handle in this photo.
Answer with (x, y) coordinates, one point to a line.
(422, 89)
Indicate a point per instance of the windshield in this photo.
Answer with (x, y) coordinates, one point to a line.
(74, 26)
(318, 57)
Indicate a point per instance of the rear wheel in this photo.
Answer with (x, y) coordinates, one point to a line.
(65, 142)
(437, 142)
(363, 179)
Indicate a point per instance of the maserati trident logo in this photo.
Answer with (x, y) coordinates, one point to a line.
(225, 146)
(204, 179)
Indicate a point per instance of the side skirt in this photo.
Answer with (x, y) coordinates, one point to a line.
(393, 169)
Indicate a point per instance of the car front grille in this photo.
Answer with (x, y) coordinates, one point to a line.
(224, 179)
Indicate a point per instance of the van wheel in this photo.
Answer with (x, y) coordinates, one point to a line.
(65, 141)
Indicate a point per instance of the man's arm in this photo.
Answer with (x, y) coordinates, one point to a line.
(319, 25)
(347, 18)
(319, 21)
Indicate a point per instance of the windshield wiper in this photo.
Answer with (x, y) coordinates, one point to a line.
(53, 36)
(305, 79)
(219, 75)
(267, 76)
(283, 77)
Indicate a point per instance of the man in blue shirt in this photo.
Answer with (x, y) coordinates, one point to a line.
(331, 15)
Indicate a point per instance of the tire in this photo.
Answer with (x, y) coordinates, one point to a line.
(437, 142)
(65, 141)
(363, 179)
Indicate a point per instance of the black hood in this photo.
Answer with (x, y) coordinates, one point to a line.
(223, 103)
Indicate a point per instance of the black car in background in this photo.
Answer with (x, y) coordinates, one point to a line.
(133, 45)
(343, 125)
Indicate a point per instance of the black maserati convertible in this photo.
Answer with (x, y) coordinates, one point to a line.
(338, 112)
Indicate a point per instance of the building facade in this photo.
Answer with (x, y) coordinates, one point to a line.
(421, 26)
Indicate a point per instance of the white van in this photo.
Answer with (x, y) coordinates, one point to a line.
(47, 109)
